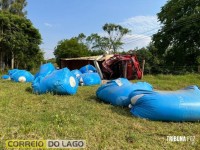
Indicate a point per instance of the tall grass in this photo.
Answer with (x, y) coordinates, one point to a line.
(24, 115)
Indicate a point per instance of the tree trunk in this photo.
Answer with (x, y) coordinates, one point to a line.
(17, 65)
(12, 60)
(143, 63)
(1, 61)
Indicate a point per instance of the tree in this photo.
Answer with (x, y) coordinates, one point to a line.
(178, 41)
(96, 42)
(5, 4)
(81, 37)
(70, 48)
(13, 6)
(115, 34)
(92, 45)
(19, 41)
(17, 7)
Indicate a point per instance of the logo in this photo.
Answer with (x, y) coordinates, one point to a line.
(26, 144)
(181, 139)
(44, 144)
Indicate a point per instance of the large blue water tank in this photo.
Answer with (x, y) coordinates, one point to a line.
(116, 92)
(58, 82)
(5, 77)
(45, 69)
(90, 79)
(77, 73)
(181, 105)
(88, 69)
(21, 75)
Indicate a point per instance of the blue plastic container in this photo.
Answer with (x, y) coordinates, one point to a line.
(5, 77)
(181, 105)
(10, 72)
(38, 88)
(116, 92)
(45, 69)
(21, 76)
(77, 73)
(88, 69)
(58, 82)
(90, 79)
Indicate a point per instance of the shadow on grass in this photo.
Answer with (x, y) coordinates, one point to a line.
(123, 111)
(29, 90)
(94, 98)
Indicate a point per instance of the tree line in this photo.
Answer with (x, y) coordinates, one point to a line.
(175, 48)
(93, 44)
(19, 39)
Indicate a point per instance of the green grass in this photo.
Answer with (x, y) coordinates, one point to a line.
(24, 115)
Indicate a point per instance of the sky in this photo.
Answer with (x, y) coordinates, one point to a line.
(63, 19)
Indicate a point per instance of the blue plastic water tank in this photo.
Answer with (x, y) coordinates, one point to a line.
(21, 76)
(5, 77)
(77, 73)
(181, 105)
(45, 69)
(88, 69)
(116, 92)
(90, 79)
(58, 82)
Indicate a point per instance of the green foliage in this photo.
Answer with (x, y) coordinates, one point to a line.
(13, 6)
(19, 40)
(178, 39)
(115, 34)
(96, 52)
(154, 64)
(5, 4)
(17, 7)
(71, 48)
(113, 40)
(52, 60)
(81, 37)
(92, 45)
(145, 54)
(98, 43)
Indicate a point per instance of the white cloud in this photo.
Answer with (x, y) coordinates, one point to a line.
(142, 27)
(135, 41)
(48, 24)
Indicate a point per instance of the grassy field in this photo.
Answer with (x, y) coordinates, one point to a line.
(24, 115)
